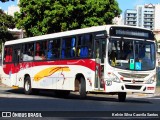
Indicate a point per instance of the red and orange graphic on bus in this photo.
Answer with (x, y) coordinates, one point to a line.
(49, 71)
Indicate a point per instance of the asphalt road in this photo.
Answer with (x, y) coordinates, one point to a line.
(93, 105)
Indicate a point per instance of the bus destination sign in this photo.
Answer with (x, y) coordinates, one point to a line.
(131, 32)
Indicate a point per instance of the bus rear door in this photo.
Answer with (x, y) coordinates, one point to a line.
(100, 48)
(16, 62)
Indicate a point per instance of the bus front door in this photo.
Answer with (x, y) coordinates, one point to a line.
(100, 49)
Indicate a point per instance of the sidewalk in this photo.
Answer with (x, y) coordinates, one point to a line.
(157, 90)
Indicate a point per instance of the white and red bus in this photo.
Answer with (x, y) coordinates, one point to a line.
(106, 59)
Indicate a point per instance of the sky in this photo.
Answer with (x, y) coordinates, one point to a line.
(4, 6)
(123, 4)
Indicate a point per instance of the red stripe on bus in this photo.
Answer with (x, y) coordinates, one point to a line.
(13, 68)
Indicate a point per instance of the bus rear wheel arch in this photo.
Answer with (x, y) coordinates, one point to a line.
(80, 85)
(28, 90)
(27, 85)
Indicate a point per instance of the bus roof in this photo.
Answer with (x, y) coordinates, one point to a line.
(66, 33)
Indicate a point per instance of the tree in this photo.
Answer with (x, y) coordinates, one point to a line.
(6, 21)
(39, 17)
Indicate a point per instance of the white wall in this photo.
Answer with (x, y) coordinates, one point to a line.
(157, 17)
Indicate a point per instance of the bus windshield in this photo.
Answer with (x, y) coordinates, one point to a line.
(131, 54)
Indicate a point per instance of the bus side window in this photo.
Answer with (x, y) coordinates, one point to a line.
(28, 52)
(84, 52)
(50, 49)
(41, 50)
(56, 48)
(8, 54)
(68, 47)
(53, 49)
(85, 45)
(73, 42)
(63, 48)
(37, 49)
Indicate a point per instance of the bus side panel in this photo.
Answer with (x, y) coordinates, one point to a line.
(51, 74)
(66, 79)
(8, 75)
(44, 77)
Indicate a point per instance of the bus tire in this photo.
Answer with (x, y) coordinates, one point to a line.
(122, 96)
(27, 86)
(82, 88)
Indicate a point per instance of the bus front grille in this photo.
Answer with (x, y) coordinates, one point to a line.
(136, 81)
(129, 75)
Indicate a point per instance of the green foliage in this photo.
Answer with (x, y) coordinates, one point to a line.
(6, 21)
(39, 17)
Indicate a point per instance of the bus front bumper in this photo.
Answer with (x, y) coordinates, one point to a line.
(136, 88)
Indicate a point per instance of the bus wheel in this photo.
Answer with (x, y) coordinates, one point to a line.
(122, 96)
(82, 88)
(27, 86)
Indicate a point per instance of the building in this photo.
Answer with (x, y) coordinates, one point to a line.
(157, 18)
(157, 36)
(146, 16)
(12, 9)
(130, 17)
(15, 32)
(118, 20)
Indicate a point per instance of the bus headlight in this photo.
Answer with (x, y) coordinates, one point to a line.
(115, 78)
(150, 80)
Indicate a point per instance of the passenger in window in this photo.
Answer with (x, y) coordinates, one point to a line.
(112, 58)
(89, 53)
(126, 52)
(30, 53)
(43, 56)
(78, 52)
(28, 56)
(56, 53)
